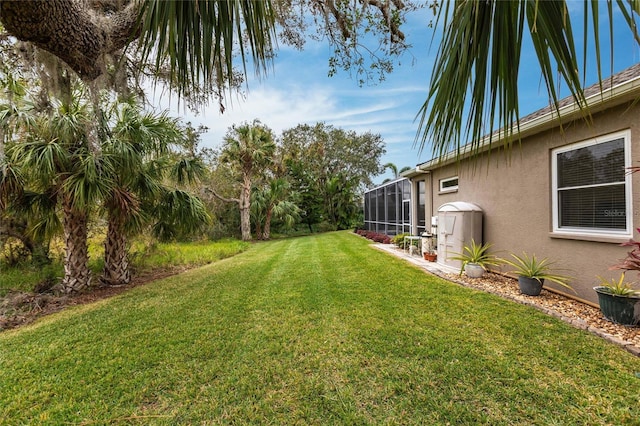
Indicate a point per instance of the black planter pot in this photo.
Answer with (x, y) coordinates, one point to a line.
(530, 286)
(623, 310)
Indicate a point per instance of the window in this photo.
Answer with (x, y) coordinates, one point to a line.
(591, 187)
(449, 184)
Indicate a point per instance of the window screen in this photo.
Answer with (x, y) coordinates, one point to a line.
(391, 202)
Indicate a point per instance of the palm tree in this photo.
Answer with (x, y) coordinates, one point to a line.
(134, 140)
(247, 149)
(270, 202)
(393, 168)
(58, 163)
(141, 150)
(24, 214)
(478, 61)
(396, 172)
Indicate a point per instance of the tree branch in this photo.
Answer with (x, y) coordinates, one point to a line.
(384, 8)
(221, 198)
(79, 33)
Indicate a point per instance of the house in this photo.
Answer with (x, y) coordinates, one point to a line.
(563, 192)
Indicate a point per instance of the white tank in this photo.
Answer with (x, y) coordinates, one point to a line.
(459, 222)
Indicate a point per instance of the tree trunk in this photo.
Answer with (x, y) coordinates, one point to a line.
(77, 275)
(259, 233)
(266, 232)
(245, 206)
(116, 263)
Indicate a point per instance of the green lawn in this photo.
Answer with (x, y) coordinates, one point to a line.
(312, 330)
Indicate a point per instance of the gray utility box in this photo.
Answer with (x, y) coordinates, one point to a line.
(458, 223)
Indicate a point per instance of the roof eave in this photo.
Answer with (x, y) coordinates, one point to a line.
(616, 95)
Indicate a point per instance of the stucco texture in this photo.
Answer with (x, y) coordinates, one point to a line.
(514, 189)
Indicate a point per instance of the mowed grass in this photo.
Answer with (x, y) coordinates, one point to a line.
(312, 330)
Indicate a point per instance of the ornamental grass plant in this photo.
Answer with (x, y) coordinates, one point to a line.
(530, 266)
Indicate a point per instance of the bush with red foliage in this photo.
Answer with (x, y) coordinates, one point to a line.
(632, 261)
(374, 236)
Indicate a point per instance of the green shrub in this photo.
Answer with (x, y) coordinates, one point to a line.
(400, 241)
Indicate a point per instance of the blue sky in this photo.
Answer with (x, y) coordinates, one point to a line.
(298, 90)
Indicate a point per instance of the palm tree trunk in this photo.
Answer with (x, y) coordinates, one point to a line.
(77, 275)
(259, 232)
(266, 232)
(245, 212)
(116, 263)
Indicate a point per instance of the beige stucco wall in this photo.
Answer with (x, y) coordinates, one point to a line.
(514, 190)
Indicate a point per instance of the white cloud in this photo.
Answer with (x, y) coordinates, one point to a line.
(283, 106)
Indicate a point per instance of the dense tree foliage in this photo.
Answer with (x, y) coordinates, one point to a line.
(272, 202)
(328, 168)
(65, 158)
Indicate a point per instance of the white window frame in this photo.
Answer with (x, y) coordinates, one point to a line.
(449, 188)
(595, 232)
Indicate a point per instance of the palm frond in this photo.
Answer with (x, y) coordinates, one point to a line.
(200, 38)
(90, 180)
(42, 159)
(474, 85)
(11, 182)
(187, 171)
(41, 209)
(179, 213)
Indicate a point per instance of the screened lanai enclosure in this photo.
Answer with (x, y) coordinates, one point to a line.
(389, 208)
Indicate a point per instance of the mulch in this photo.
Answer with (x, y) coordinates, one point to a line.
(20, 308)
